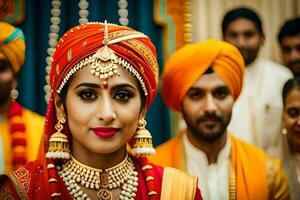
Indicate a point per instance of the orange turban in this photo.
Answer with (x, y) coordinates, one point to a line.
(12, 45)
(186, 66)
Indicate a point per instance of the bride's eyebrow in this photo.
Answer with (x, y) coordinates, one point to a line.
(93, 85)
(124, 85)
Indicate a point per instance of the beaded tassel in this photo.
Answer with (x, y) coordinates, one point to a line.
(52, 174)
(150, 178)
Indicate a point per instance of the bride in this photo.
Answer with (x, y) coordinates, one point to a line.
(103, 79)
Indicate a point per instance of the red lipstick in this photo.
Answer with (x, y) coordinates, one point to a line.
(105, 132)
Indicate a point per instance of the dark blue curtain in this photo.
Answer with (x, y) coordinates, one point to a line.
(36, 30)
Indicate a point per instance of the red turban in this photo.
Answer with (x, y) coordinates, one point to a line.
(12, 45)
(187, 65)
(126, 43)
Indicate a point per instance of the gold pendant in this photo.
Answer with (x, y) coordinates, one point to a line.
(104, 194)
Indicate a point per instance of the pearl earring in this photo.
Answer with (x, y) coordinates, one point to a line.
(284, 131)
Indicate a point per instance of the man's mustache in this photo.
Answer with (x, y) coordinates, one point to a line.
(295, 62)
(209, 116)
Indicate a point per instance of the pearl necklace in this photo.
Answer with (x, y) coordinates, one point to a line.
(74, 173)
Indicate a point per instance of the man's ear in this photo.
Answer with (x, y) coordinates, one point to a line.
(59, 105)
(14, 83)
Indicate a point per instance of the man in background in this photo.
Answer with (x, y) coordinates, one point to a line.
(20, 129)
(289, 40)
(202, 81)
(257, 113)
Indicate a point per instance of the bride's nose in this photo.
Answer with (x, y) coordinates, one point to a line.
(106, 111)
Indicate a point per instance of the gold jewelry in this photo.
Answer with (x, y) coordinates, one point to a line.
(142, 140)
(122, 175)
(58, 142)
(14, 93)
(104, 61)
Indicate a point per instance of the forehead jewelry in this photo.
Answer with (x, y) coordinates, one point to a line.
(104, 61)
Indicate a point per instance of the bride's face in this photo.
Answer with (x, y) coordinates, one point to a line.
(102, 119)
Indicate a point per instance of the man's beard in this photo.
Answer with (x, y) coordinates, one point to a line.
(208, 135)
(5, 93)
(294, 66)
(249, 56)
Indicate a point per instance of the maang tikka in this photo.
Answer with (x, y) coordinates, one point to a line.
(58, 142)
(142, 145)
(104, 61)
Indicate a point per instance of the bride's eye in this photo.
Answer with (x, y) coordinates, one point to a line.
(123, 95)
(88, 95)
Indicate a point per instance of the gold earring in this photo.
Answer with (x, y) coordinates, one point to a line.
(14, 93)
(284, 131)
(58, 142)
(142, 145)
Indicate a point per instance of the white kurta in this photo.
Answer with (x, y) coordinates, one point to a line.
(257, 113)
(213, 179)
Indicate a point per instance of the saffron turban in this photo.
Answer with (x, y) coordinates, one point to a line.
(12, 45)
(187, 65)
(85, 40)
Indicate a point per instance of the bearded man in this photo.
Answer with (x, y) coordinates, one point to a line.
(202, 81)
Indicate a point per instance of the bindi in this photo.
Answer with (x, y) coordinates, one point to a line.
(104, 85)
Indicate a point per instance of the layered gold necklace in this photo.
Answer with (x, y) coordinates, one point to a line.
(123, 176)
